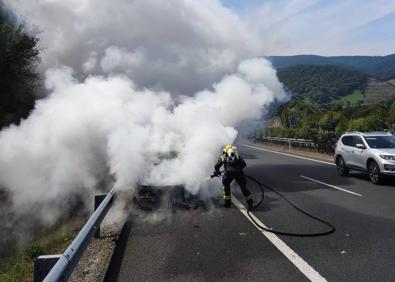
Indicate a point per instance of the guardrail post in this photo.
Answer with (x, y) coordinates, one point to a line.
(289, 144)
(43, 265)
(98, 200)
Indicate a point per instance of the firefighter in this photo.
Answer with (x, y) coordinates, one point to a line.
(233, 164)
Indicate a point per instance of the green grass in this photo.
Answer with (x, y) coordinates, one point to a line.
(392, 81)
(20, 268)
(353, 98)
(55, 240)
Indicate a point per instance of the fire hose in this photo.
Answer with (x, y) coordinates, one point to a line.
(261, 185)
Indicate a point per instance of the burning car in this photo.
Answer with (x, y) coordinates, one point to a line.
(151, 197)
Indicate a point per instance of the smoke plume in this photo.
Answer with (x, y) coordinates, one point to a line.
(129, 83)
(177, 45)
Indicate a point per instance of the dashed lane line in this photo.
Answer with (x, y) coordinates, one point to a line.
(332, 186)
(305, 177)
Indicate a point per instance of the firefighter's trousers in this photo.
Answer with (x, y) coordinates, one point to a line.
(240, 178)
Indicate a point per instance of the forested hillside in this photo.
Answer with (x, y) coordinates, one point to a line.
(321, 84)
(381, 67)
(328, 100)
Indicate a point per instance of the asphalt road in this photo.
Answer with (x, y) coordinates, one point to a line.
(221, 244)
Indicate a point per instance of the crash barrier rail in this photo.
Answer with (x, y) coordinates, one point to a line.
(289, 141)
(59, 267)
(323, 147)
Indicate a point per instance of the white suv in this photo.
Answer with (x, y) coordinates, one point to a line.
(372, 152)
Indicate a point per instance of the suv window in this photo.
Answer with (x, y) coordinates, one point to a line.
(347, 140)
(357, 140)
(381, 141)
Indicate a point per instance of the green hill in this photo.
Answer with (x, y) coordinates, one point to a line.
(322, 84)
(380, 67)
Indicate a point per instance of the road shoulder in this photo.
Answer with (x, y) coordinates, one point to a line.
(295, 152)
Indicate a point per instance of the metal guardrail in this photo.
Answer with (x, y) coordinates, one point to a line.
(66, 263)
(290, 141)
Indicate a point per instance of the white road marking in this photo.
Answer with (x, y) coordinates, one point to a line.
(290, 254)
(290, 155)
(332, 186)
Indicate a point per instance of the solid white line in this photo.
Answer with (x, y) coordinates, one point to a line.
(329, 185)
(290, 155)
(290, 254)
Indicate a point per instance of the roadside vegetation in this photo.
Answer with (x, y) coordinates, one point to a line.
(19, 266)
(19, 56)
(325, 123)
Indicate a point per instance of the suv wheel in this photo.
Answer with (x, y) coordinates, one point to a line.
(341, 167)
(374, 173)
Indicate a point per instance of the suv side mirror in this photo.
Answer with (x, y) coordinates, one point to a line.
(360, 146)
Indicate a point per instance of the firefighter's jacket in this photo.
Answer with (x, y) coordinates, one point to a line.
(235, 166)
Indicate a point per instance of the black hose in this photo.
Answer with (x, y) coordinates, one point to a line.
(261, 185)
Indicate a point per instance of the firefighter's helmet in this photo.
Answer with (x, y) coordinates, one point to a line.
(231, 152)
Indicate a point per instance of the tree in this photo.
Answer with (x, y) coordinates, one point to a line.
(321, 84)
(358, 124)
(377, 120)
(19, 56)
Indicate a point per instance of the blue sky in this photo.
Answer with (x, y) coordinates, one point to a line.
(325, 27)
(240, 4)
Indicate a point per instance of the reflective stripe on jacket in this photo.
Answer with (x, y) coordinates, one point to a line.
(236, 165)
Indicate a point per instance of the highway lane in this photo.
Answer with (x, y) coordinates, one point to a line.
(222, 245)
(215, 245)
(363, 247)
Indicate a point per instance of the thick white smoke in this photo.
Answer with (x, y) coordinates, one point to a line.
(126, 84)
(86, 130)
(179, 45)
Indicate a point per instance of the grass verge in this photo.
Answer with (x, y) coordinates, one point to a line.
(53, 241)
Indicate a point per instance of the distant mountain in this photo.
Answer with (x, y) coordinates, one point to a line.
(321, 84)
(381, 67)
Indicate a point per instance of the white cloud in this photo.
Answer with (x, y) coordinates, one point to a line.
(320, 27)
